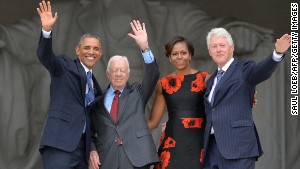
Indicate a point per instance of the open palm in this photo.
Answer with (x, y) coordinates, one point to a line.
(140, 34)
(46, 16)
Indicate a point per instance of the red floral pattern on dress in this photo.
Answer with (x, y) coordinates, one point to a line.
(201, 155)
(169, 143)
(199, 84)
(171, 83)
(164, 160)
(162, 137)
(192, 122)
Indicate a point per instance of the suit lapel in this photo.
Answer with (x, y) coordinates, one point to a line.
(104, 110)
(98, 90)
(123, 101)
(83, 78)
(209, 85)
(223, 80)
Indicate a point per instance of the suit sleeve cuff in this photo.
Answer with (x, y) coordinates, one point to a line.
(277, 57)
(148, 56)
(46, 34)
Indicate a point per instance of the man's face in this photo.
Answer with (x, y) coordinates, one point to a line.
(118, 74)
(89, 52)
(220, 50)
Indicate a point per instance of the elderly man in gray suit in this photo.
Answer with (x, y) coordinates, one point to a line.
(122, 138)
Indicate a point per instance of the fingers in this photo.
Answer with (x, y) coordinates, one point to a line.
(131, 35)
(49, 6)
(285, 37)
(55, 16)
(94, 160)
(144, 27)
(94, 164)
(136, 26)
(283, 43)
(44, 7)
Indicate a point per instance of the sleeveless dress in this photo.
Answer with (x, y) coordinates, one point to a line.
(181, 143)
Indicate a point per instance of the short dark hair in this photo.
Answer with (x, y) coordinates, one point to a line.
(169, 46)
(88, 35)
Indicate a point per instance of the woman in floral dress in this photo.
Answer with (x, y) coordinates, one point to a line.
(181, 92)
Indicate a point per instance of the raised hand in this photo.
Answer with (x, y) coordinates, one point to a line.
(46, 16)
(282, 44)
(140, 34)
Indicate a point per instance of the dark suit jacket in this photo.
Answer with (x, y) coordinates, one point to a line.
(231, 112)
(66, 117)
(131, 125)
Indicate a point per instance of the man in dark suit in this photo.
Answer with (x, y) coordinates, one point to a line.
(66, 137)
(231, 140)
(123, 140)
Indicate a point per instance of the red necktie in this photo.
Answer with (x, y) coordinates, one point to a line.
(114, 106)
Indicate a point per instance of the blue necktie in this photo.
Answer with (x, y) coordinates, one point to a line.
(90, 95)
(219, 75)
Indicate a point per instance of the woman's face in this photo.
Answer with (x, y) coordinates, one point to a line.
(180, 56)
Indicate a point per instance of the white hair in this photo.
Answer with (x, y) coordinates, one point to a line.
(219, 32)
(117, 57)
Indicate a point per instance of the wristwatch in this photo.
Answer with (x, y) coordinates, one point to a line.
(278, 53)
(146, 50)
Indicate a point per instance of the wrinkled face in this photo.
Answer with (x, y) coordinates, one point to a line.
(180, 56)
(118, 74)
(89, 52)
(220, 50)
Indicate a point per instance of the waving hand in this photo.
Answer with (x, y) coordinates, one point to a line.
(46, 16)
(140, 34)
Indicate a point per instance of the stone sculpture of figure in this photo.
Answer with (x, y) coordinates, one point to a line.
(24, 98)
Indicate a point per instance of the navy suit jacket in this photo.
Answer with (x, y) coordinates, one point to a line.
(64, 125)
(231, 112)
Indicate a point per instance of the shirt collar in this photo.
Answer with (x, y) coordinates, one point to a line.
(226, 66)
(111, 90)
(85, 68)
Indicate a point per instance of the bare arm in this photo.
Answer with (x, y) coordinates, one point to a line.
(158, 108)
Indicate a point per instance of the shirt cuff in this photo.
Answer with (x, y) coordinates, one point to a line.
(277, 57)
(148, 57)
(46, 34)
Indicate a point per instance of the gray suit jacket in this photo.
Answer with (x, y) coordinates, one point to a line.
(231, 112)
(131, 125)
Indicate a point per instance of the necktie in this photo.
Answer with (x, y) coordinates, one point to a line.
(90, 95)
(219, 75)
(114, 106)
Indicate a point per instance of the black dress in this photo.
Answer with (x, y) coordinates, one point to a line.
(181, 143)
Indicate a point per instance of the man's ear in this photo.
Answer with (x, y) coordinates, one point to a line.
(107, 74)
(77, 51)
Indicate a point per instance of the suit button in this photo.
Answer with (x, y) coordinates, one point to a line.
(213, 109)
(116, 140)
